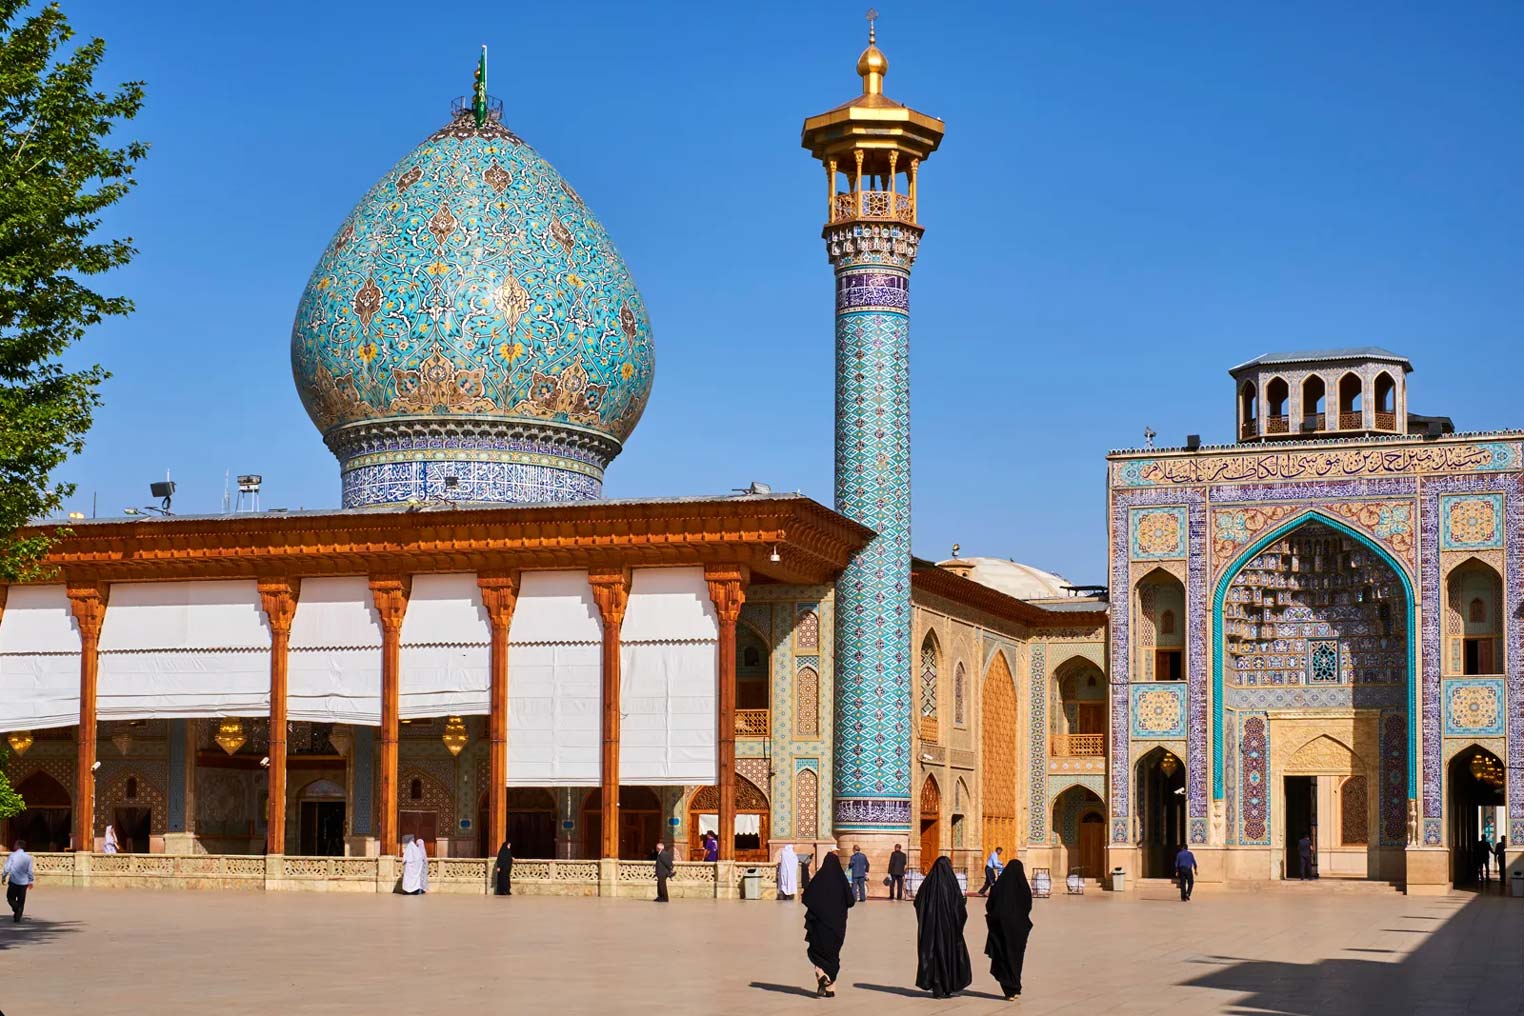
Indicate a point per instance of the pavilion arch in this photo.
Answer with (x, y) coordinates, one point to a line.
(1314, 402)
(1475, 784)
(1277, 405)
(931, 821)
(1079, 826)
(46, 824)
(1158, 605)
(1248, 407)
(1078, 714)
(930, 665)
(1474, 619)
(997, 742)
(1351, 402)
(1385, 394)
(1159, 779)
(1404, 580)
(752, 820)
(753, 668)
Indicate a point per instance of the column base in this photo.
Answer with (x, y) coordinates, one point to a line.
(1428, 871)
(362, 846)
(608, 876)
(878, 846)
(183, 843)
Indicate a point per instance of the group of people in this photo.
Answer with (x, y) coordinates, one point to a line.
(1488, 853)
(942, 961)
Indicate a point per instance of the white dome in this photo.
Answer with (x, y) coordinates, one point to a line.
(1012, 578)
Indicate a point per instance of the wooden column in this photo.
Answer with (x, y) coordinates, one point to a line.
(727, 590)
(390, 593)
(500, 592)
(278, 597)
(611, 591)
(88, 601)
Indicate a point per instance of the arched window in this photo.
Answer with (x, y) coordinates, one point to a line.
(1167, 623)
(960, 716)
(1473, 630)
(1351, 402)
(1277, 395)
(1248, 409)
(1314, 398)
(131, 790)
(929, 664)
(415, 790)
(1386, 402)
(1078, 710)
(752, 663)
(1159, 601)
(1478, 611)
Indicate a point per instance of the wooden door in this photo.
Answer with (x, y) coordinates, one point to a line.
(423, 826)
(1092, 844)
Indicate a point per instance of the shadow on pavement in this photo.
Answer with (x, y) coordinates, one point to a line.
(1458, 968)
(783, 989)
(32, 931)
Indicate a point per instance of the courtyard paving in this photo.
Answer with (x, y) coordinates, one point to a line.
(105, 951)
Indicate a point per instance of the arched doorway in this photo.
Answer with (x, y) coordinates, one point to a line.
(531, 823)
(1079, 819)
(753, 821)
(45, 824)
(931, 822)
(1159, 619)
(320, 819)
(1476, 780)
(997, 773)
(1160, 779)
(640, 825)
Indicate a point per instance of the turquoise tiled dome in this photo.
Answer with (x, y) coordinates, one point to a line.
(472, 320)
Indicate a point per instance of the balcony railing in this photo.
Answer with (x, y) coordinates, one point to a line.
(872, 205)
(1386, 421)
(1313, 421)
(1071, 745)
(1249, 430)
(1351, 421)
(753, 722)
(1277, 424)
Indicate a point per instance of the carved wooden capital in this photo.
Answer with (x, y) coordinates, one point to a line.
(611, 591)
(500, 593)
(278, 596)
(88, 601)
(390, 593)
(727, 591)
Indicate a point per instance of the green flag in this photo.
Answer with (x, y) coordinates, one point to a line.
(479, 92)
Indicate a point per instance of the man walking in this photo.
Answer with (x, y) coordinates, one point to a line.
(857, 865)
(1185, 871)
(897, 874)
(1304, 854)
(993, 866)
(664, 870)
(18, 876)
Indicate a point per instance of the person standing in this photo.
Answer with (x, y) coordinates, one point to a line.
(993, 866)
(415, 869)
(942, 965)
(857, 864)
(1009, 916)
(1483, 853)
(504, 872)
(711, 847)
(1304, 855)
(665, 869)
(826, 902)
(18, 877)
(112, 846)
(788, 872)
(1500, 852)
(1185, 871)
(897, 874)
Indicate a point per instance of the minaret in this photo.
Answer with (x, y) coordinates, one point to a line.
(872, 148)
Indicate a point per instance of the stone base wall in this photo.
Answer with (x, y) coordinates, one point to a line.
(469, 876)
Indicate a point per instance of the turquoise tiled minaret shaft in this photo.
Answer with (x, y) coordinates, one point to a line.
(872, 235)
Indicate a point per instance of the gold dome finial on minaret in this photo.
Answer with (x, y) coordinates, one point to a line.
(872, 65)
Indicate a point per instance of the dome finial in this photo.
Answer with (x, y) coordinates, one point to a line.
(479, 90)
(873, 65)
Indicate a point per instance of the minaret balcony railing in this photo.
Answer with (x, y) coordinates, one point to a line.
(869, 204)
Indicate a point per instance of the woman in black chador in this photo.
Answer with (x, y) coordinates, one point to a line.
(826, 900)
(1009, 915)
(504, 870)
(940, 912)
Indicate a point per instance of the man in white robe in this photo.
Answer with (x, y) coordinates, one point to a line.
(788, 872)
(415, 866)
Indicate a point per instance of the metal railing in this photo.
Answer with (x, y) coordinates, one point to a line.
(1072, 745)
(869, 204)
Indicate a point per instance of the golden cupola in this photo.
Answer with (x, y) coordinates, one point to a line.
(872, 148)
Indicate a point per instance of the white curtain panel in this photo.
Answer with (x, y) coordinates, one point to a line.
(184, 649)
(555, 606)
(334, 668)
(446, 649)
(669, 605)
(39, 660)
(554, 722)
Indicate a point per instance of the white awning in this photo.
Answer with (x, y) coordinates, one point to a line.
(555, 606)
(667, 705)
(446, 649)
(39, 660)
(184, 649)
(334, 669)
(554, 721)
(669, 605)
(445, 609)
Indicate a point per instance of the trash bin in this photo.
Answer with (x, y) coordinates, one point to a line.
(1516, 885)
(1118, 880)
(751, 885)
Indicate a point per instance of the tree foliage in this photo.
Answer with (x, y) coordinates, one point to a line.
(10, 801)
(59, 170)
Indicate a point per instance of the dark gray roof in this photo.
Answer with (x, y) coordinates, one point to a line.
(1324, 355)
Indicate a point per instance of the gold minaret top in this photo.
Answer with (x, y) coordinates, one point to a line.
(875, 142)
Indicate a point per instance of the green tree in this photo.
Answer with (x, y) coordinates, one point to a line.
(59, 170)
(10, 801)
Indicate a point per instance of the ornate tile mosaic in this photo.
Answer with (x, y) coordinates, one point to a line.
(1158, 710)
(1037, 745)
(1474, 707)
(1158, 533)
(1471, 521)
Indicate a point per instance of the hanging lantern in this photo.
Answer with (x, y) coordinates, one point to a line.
(230, 736)
(341, 739)
(123, 740)
(20, 741)
(456, 736)
(1168, 764)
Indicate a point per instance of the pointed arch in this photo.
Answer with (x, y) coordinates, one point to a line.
(1218, 637)
(997, 740)
(931, 664)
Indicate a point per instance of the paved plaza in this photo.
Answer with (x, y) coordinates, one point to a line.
(105, 951)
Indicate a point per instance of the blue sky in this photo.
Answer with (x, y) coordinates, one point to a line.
(1130, 199)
